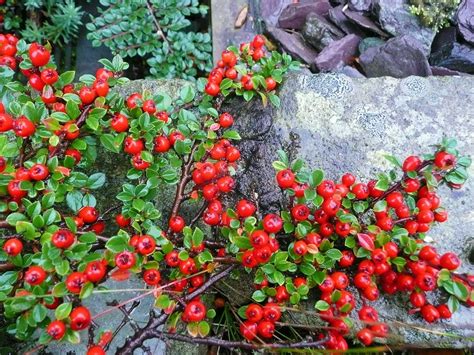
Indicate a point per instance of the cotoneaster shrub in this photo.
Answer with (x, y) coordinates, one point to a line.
(56, 251)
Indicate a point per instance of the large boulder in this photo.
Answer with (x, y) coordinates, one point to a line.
(465, 20)
(340, 124)
(338, 53)
(395, 18)
(319, 32)
(398, 57)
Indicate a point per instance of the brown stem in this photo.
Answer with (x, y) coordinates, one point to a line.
(159, 31)
(6, 225)
(240, 344)
(151, 328)
(398, 185)
(79, 123)
(6, 267)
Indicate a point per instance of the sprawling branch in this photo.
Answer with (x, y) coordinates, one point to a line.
(150, 330)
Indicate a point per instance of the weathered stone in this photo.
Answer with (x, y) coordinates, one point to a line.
(454, 56)
(294, 15)
(319, 32)
(270, 10)
(398, 57)
(446, 35)
(338, 53)
(360, 5)
(337, 16)
(440, 71)
(340, 124)
(364, 22)
(294, 44)
(465, 20)
(395, 18)
(370, 42)
(350, 72)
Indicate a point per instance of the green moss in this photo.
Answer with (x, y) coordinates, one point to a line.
(436, 14)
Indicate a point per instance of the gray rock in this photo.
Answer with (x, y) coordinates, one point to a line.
(337, 16)
(270, 10)
(294, 15)
(370, 42)
(364, 22)
(340, 124)
(360, 5)
(338, 53)
(465, 20)
(294, 44)
(440, 71)
(350, 72)
(444, 36)
(395, 18)
(319, 32)
(399, 57)
(454, 56)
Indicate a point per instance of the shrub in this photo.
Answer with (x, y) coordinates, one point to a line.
(436, 14)
(159, 31)
(56, 250)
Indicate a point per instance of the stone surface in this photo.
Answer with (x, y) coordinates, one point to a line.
(338, 53)
(224, 32)
(337, 124)
(364, 22)
(465, 19)
(395, 18)
(294, 15)
(270, 10)
(341, 124)
(444, 36)
(370, 42)
(319, 32)
(398, 57)
(294, 44)
(360, 5)
(444, 71)
(454, 56)
(337, 16)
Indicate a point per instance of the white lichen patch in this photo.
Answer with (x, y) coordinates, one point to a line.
(321, 115)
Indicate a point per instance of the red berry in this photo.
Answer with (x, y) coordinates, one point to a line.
(132, 146)
(411, 163)
(450, 261)
(395, 199)
(226, 120)
(88, 214)
(63, 238)
(146, 244)
(56, 329)
(417, 299)
(35, 275)
(300, 212)
(119, 123)
(49, 76)
(74, 153)
(152, 277)
(187, 266)
(133, 100)
(6, 122)
(80, 318)
(162, 144)
(23, 127)
(125, 260)
(212, 89)
(122, 221)
(368, 314)
(176, 224)
(361, 191)
(300, 248)
(444, 311)
(248, 330)
(341, 281)
(285, 178)
(245, 208)
(266, 329)
(444, 160)
(271, 83)
(272, 223)
(87, 95)
(39, 55)
(259, 238)
(13, 246)
(254, 313)
(95, 271)
(348, 179)
(365, 336)
(75, 281)
(429, 313)
(95, 350)
(195, 311)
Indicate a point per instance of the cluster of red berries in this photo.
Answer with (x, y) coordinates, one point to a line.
(226, 67)
(260, 321)
(8, 50)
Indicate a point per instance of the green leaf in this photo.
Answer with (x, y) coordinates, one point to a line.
(39, 312)
(259, 296)
(86, 290)
(321, 305)
(234, 135)
(96, 181)
(275, 100)
(334, 254)
(72, 109)
(63, 310)
(117, 244)
(316, 178)
(187, 93)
